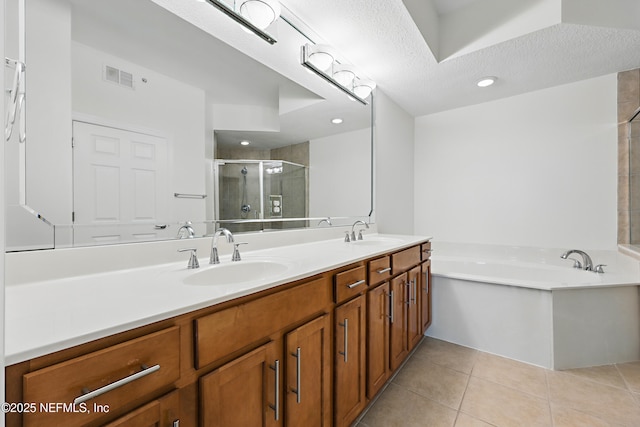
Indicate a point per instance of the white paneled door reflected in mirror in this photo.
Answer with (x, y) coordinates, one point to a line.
(131, 110)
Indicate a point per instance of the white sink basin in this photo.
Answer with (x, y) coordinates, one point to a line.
(231, 273)
(375, 241)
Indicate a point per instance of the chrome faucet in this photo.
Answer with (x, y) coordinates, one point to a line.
(353, 233)
(327, 220)
(186, 231)
(213, 258)
(587, 264)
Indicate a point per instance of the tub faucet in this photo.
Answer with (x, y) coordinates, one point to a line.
(213, 258)
(353, 233)
(587, 264)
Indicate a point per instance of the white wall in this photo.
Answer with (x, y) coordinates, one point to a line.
(394, 177)
(332, 192)
(538, 169)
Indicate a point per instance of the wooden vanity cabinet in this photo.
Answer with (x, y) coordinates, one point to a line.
(308, 353)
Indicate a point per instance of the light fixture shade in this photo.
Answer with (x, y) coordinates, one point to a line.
(363, 87)
(260, 13)
(321, 56)
(344, 75)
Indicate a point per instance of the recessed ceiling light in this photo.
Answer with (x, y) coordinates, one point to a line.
(486, 81)
(336, 121)
(244, 143)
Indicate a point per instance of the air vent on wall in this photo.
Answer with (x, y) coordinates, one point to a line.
(123, 78)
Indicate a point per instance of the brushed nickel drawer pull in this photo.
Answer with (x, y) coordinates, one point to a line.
(391, 304)
(384, 270)
(358, 283)
(176, 423)
(426, 283)
(126, 380)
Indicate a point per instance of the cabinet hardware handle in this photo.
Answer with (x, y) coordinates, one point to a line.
(426, 283)
(427, 251)
(358, 283)
(415, 290)
(298, 356)
(408, 300)
(276, 405)
(383, 270)
(345, 353)
(176, 423)
(391, 306)
(92, 394)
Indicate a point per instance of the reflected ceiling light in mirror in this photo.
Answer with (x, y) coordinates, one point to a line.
(329, 76)
(254, 15)
(336, 121)
(486, 81)
(260, 13)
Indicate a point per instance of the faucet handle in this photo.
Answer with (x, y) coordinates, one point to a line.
(360, 234)
(236, 252)
(193, 259)
(347, 237)
(598, 268)
(576, 263)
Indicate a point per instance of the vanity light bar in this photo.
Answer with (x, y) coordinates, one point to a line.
(242, 20)
(307, 63)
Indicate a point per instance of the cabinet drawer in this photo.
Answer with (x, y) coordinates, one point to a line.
(115, 376)
(425, 251)
(350, 283)
(219, 334)
(403, 260)
(379, 270)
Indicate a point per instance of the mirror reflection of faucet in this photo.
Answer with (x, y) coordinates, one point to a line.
(186, 231)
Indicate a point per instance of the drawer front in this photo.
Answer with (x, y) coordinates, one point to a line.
(425, 251)
(404, 260)
(379, 270)
(115, 376)
(226, 331)
(350, 283)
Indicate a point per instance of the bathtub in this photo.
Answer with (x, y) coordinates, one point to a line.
(530, 305)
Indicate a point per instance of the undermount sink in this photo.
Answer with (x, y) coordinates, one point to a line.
(375, 241)
(231, 273)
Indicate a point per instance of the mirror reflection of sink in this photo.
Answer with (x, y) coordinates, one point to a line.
(237, 272)
(375, 241)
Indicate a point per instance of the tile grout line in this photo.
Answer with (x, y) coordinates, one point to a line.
(626, 383)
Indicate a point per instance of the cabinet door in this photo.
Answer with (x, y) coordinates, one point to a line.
(350, 361)
(425, 293)
(378, 315)
(398, 348)
(308, 373)
(162, 412)
(414, 324)
(244, 392)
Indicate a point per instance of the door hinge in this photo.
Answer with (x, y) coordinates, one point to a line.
(73, 143)
(73, 217)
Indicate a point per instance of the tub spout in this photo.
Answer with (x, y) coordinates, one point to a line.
(587, 264)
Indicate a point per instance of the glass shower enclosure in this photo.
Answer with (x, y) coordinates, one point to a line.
(252, 195)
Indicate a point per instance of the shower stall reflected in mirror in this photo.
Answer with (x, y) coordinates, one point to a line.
(253, 195)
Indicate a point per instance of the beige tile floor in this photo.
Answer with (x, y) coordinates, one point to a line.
(444, 384)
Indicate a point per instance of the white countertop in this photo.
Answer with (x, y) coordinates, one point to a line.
(50, 315)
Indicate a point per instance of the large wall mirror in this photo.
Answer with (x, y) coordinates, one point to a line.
(135, 118)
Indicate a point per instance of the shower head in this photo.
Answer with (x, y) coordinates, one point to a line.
(244, 171)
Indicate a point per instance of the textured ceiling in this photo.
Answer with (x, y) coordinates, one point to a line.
(527, 44)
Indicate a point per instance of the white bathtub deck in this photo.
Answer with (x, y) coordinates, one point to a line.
(505, 301)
